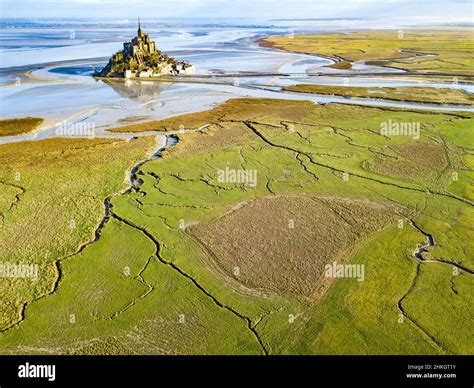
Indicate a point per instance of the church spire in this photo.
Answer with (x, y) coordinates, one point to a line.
(139, 28)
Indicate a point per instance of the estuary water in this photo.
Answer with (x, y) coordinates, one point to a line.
(46, 67)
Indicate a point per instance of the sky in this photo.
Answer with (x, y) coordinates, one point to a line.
(412, 11)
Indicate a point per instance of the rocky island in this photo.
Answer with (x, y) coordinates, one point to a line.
(141, 59)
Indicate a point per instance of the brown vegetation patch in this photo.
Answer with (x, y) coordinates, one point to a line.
(417, 162)
(255, 109)
(226, 127)
(426, 154)
(341, 65)
(11, 127)
(215, 136)
(411, 93)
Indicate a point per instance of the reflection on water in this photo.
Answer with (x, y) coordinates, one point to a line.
(137, 89)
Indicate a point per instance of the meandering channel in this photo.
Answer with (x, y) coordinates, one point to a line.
(418, 253)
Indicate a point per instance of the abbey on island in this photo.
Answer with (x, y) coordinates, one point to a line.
(141, 59)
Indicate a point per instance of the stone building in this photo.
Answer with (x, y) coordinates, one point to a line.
(140, 46)
(141, 59)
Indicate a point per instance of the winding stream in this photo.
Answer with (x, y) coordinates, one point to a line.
(418, 254)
